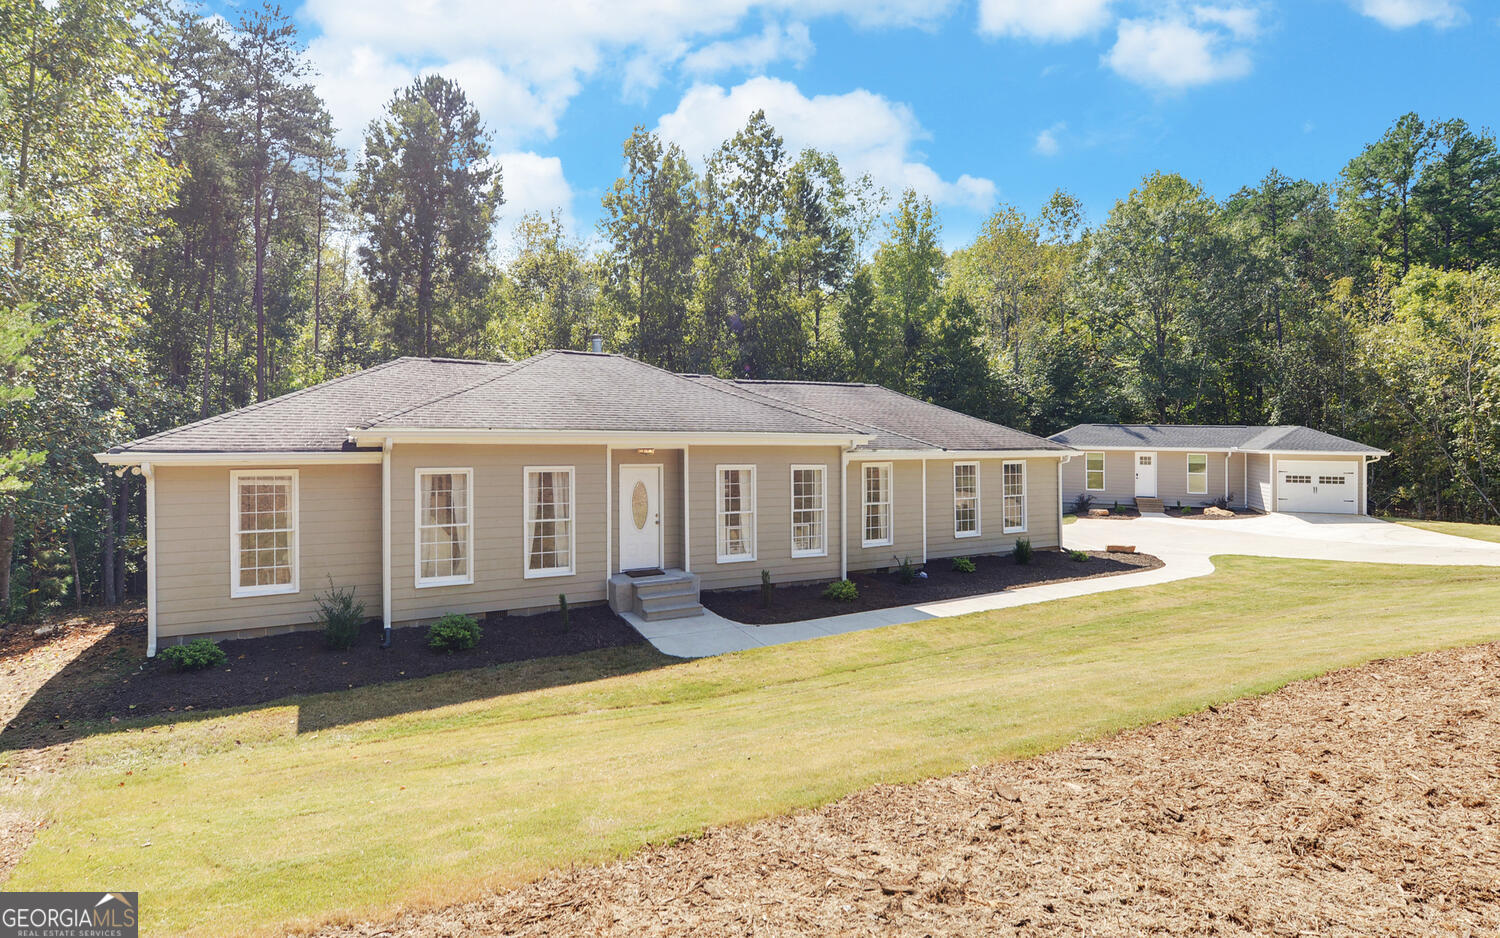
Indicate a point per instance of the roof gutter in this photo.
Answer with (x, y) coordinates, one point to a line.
(374, 436)
(938, 453)
(251, 459)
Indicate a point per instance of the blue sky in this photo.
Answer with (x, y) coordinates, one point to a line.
(972, 103)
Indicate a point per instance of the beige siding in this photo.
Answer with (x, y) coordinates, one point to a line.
(338, 536)
(773, 514)
(499, 540)
(1041, 508)
(906, 517)
(1119, 479)
(671, 508)
(1237, 466)
(1171, 478)
(1258, 482)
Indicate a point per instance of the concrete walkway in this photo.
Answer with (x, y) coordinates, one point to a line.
(1185, 548)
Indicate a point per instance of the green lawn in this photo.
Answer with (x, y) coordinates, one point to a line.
(1482, 532)
(357, 802)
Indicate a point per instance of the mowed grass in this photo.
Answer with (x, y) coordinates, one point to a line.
(244, 823)
(1481, 532)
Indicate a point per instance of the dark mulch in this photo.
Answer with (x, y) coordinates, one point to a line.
(113, 678)
(1124, 514)
(882, 590)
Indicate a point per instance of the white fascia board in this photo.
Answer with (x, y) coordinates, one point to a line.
(1313, 454)
(1146, 448)
(236, 459)
(600, 437)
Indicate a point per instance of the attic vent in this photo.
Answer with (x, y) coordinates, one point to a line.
(596, 344)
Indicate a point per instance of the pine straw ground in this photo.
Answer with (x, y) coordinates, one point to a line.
(1362, 802)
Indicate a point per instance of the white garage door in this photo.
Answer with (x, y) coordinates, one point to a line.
(1312, 485)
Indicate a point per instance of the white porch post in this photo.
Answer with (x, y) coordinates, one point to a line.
(609, 514)
(687, 521)
(924, 510)
(150, 474)
(844, 515)
(385, 536)
(1226, 480)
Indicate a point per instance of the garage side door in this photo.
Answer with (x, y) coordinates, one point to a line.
(1317, 486)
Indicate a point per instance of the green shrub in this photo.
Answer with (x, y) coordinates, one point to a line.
(843, 591)
(766, 588)
(1078, 556)
(1117, 509)
(341, 615)
(196, 655)
(963, 565)
(562, 606)
(1082, 502)
(1022, 552)
(454, 632)
(906, 569)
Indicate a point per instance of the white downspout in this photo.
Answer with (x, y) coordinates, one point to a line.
(1226, 481)
(149, 473)
(924, 511)
(844, 514)
(1067, 458)
(385, 542)
(609, 515)
(687, 525)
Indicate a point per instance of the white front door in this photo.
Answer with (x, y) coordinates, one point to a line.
(1317, 486)
(640, 517)
(1145, 475)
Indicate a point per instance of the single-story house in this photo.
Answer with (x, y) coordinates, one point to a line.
(436, 485)
(1287, 468)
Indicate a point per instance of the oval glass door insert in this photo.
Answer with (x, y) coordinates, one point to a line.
(638, 506)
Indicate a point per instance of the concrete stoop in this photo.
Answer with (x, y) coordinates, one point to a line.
(670, 595)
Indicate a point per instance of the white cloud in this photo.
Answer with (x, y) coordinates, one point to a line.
(533, 183)
(1399, 14)
(867, 132)
(775, 43)
(1046, 142)
(1174, 54)
(1044, 20)
(523, 61)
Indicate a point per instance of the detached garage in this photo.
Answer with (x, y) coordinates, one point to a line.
(1157, 466)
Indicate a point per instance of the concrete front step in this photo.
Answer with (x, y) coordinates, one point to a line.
(654, 610)
(672, 595)
(1148, 504)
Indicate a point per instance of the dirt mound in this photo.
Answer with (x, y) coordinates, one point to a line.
(1363, 802)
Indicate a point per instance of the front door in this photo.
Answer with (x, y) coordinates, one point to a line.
(640, 517)
(1145, 475)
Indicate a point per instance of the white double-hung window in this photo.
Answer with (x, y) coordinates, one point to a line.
(445, 527)
(877, 504)
(809, 511)
(1197, 473)
(966, 499)
(549, 521)
(263, 532)
(1093, 472)
(735, 510)
(1014, 491)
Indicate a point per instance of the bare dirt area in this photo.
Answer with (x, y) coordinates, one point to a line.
(883, 589)
(1362, 802)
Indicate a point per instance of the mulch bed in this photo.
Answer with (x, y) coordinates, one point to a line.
(882, 590)
(1363, 802)
(1196, 514)
(1124, 514)
(111, 677)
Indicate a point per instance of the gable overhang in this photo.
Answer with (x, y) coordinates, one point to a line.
(375, 436)
(245, 459)
(1319, 453)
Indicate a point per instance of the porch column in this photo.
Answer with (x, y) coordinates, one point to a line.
(385, 536)
(687, 521)
(844, 515)
(924, 509)
(149, 472)
(609, 514)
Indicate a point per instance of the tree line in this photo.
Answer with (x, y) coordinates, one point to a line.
(183, 235)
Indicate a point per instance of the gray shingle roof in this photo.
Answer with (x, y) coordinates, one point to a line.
(317, 418)
(1282, 439)
(899, 421)
(563, 390)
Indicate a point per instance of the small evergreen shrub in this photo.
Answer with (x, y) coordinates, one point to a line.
(906, 569)
(196, 655)
(766, 588)
(1078, 556)
(454, 632)
(1117, 509)
(341, 615)
(843, 591)
(1082, 503)
(963, 565)
(562, 606)
(1022, 552)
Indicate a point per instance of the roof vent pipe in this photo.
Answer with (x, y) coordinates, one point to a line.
(596, 344)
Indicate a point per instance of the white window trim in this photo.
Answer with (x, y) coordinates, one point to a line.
(1022, 496)
(978, 502)
(236, 591)
(754, 512)
(1103, 471)
(890, 502)
(466, 579)
(572, 568)
(1188, 465)
(822, 470)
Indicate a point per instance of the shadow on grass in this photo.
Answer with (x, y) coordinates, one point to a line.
(110, 686)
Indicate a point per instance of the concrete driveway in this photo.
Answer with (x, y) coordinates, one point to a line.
(1311, 537)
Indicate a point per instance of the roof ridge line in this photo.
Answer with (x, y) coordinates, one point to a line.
(515, 367)
(205, 421)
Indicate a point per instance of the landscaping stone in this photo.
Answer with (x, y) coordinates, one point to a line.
(1098, 512)
(1120, 549)
(1214, 511)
